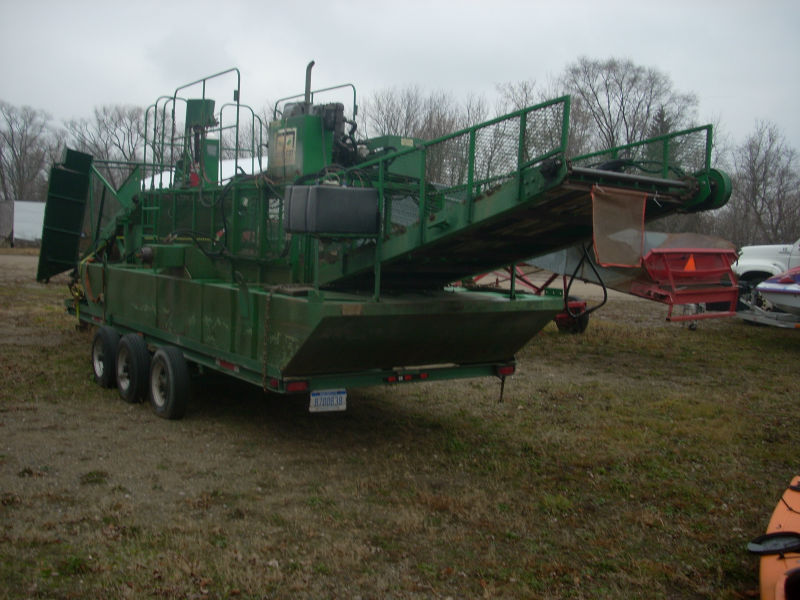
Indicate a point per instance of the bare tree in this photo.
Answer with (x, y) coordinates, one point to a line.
(441, 115)
(394, 111)
(116, 133)
(765, 205)
(517, 95)
(626, 102)
(26, 141)
(407, 112)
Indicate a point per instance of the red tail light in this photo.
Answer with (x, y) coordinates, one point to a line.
(297, 386)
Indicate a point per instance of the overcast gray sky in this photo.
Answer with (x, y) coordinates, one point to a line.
(66, 57)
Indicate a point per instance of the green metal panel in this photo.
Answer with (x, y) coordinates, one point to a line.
(248, 324)
(131, 296)
(199, 113)
(168, 255)
(178, 309)
(64, 214)
(211, 161)
(93, 278)
(219, 304)
(298, 146)
(328, 334)
(407, 164)
(199, 266)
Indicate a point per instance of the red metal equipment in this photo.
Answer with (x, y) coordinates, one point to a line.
(573, 319)
(689, 276)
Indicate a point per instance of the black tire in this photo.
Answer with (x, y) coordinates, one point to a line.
(169, 383)
(104, 356)
(133, 368)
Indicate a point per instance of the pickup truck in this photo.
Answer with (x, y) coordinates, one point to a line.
(757, 263)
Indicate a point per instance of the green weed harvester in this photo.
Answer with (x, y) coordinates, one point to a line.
(326, 261)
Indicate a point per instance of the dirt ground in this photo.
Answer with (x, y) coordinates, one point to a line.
(251, 496)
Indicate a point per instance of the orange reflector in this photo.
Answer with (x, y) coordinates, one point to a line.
(690, 266)
(229, 366)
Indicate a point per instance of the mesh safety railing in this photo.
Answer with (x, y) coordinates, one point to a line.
(671, 156)
(461, 167)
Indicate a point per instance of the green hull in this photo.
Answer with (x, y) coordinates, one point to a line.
(267, 336)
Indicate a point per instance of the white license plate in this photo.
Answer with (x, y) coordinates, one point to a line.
(328, 401)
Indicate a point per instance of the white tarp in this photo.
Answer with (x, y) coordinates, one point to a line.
(227, 169)
(28, 219)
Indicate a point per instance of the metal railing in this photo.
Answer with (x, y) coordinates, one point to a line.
(167, 146)
(659, 156)
(461, 167)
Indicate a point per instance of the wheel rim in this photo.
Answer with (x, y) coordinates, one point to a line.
(98, 358)
(159, 384)
(123, 369)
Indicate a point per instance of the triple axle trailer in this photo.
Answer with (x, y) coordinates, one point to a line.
(301, 258)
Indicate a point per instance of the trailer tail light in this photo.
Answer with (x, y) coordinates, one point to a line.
(297, 386)
(505, 370)
(288, 386)
(403, 377)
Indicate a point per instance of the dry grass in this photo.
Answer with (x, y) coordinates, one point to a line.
(634, 461)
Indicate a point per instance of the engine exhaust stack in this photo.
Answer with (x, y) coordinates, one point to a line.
(308, 86)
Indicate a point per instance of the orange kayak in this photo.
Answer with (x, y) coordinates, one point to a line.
(779, 548)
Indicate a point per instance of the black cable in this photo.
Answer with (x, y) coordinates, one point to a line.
(194, 235)
(239, 177)
(588, 311)
(332, 168)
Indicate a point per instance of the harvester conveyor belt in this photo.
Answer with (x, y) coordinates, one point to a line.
(509, 194)
(504, 230)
